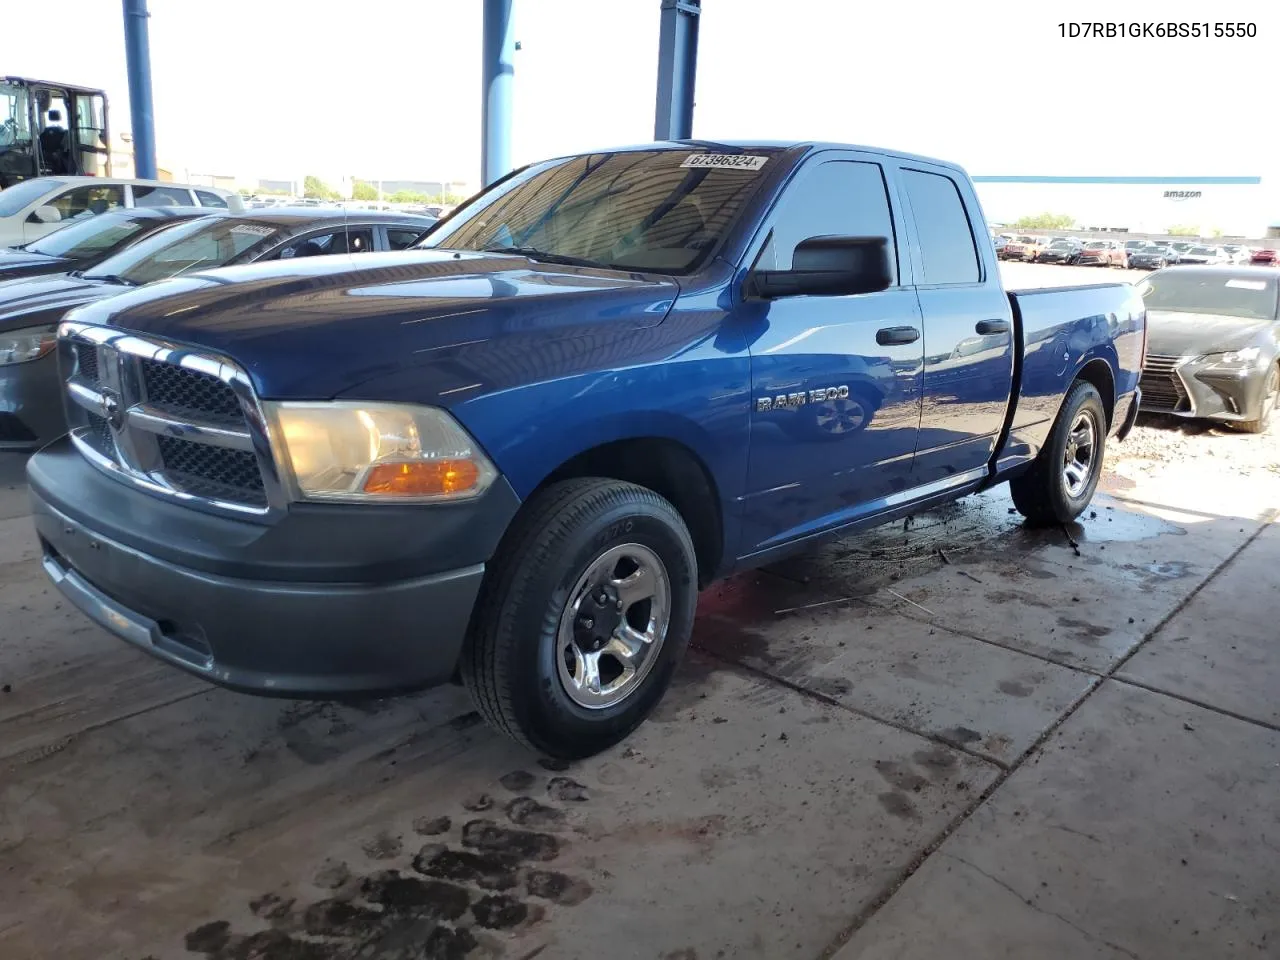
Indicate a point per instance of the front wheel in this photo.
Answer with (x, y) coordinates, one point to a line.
(1061, 483)
(583, 618)
(1270, 396)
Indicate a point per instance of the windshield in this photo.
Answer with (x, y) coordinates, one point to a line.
(641, 210)
(13, 199)
(1202, 251)
(1153, 250)
(89, 238)
(1185, 290)
(1060, 244)
(15, 124)
(1095, 245)
(202, 243)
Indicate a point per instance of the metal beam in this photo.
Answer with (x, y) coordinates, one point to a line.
(499, 80)
(137, 49)
(677, 67)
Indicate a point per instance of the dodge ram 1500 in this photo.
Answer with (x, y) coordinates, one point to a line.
(513, 456)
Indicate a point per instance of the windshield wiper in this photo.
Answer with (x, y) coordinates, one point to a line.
(111, 278)
(533, 253)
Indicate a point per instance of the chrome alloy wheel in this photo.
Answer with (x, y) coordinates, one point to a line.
(613, 626)
(1077, 461)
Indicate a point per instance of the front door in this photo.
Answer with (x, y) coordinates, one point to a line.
(835, 380)
(968, 323)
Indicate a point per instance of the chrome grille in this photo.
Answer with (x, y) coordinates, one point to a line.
(172, 420)
(1162, 388)
(213, 471)
(183, 391)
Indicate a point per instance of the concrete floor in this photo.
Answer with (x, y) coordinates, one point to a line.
(963, 739)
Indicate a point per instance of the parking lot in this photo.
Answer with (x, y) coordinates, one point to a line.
(953, 737)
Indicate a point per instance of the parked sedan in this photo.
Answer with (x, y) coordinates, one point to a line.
(1213, 344)
(81, 245)
(1205, 256)
(30, 391)
(1103, 253)
(1061, 251)
(1152, 257)
(1264, 257)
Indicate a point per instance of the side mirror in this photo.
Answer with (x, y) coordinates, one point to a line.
(830, 267)
(46, 214)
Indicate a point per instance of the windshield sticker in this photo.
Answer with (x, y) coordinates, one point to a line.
(253, 229)
(724, 161)
(1248, 284)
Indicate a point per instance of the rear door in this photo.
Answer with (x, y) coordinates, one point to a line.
(835, 380)
(968, 327)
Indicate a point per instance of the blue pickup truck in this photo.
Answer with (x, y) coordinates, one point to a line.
(513, 456)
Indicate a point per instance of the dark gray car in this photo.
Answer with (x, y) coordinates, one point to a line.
(31, 411)
(1213, 344)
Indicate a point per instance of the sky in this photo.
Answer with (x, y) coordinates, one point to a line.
(391, 89)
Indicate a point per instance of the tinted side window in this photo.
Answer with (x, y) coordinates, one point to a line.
(946, 239)
(342, 240)
(402, 239)
(160, 197)
(82, 201)
(838, 197)
(210, 199)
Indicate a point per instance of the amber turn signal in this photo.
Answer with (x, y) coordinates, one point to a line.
(422, 478)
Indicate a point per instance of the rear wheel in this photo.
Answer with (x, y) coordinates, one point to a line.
(1270, 396)
(1061, 483)
(584, 617)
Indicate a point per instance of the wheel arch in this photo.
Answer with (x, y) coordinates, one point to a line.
(671, 469)
(1097, 371)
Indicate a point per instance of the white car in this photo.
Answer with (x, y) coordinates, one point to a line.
(32, 208)
(1200, 255)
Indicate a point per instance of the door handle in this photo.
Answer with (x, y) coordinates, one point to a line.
(896, 336)
(987, 327)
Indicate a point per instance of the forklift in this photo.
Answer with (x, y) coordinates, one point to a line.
(52, 129)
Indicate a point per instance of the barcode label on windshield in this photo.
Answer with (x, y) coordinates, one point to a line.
(726, 161)
(253, 229)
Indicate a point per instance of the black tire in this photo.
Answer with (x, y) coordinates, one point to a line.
(1042, 494)
(1269, 398)
(509, 663)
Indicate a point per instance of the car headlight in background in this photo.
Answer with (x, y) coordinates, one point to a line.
(378, 452)
(29, 343)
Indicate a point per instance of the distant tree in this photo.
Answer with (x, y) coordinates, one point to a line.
(1216, 232)
(363, 191)
(1046, 221)
(407, 196)
(1183, 230)
(316, 188)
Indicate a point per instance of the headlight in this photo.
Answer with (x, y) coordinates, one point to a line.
(1235, 358)
(29, 343)
(377, 452)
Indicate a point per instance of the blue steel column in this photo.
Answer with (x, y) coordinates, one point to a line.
(137, 49)
(677, 65)
(499, 79)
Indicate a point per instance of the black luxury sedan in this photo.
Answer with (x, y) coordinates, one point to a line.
(1213, 344)
(1152, 257)
(81, 244)
(31, 409)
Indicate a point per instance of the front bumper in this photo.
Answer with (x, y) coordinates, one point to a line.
(31, 411)
(1204, 391)
(292, 609)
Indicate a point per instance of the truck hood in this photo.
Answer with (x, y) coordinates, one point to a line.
(317, 327)
(27, 301)
(1171, 334)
